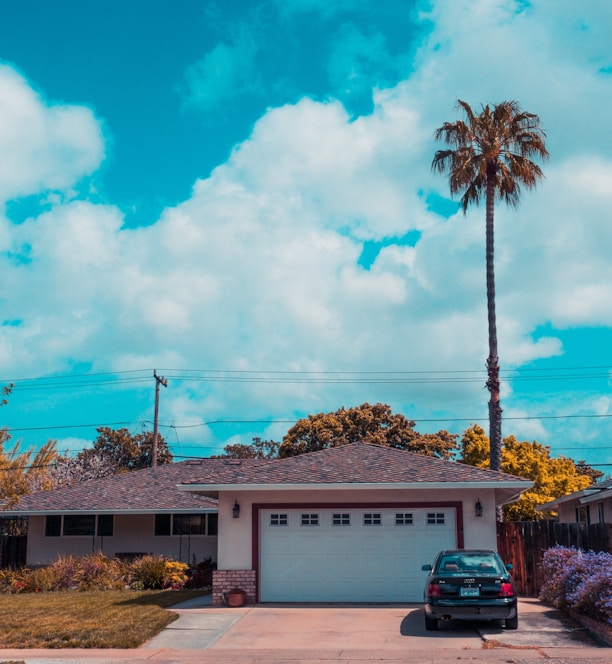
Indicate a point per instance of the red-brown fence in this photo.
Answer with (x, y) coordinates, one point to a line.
(523, 543)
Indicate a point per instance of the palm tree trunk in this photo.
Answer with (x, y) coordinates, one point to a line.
(495, 411)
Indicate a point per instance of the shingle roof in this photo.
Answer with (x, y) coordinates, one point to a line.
(156, 489)
(356, 463)
(140, 491)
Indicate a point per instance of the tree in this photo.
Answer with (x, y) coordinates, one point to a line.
(125, 451)
(552, 477)
(375, 424)
(22, 471)
(490, 156)
(258, 449)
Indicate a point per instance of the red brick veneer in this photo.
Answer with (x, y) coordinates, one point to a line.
(228, 579)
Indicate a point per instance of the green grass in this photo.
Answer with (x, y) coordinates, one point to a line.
(95, 619)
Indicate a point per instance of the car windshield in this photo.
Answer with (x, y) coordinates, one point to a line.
(471, 563)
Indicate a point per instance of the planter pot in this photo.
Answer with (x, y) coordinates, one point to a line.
(236, 597)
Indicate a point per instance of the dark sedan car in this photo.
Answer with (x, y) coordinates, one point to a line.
(469, 584)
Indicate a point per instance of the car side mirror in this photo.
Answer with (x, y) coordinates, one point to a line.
(426, 568)
(509, 567)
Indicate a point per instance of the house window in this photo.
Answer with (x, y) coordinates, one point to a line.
(53, 525)
(189, 524)
(435, 518)
(79, 524)
(583, 515)
(186, 524)
(105, 525)
(404, 519)
(310, 520)
(600, 513)
(279, 520)
(162, 524)
(370, 519)
(341, 519)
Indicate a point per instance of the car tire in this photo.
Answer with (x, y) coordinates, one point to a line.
(512, 623)
(431, 624)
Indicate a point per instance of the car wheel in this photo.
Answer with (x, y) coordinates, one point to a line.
(431, 624)
(512, 623)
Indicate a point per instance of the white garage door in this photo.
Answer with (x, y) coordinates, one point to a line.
(350, 555)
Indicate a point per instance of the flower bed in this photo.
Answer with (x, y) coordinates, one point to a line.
(97, 572)
(581, 583)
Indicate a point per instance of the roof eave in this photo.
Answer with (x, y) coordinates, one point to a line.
(517, 485)
(95, 510)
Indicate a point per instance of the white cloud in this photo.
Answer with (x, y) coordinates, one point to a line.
(44, 146)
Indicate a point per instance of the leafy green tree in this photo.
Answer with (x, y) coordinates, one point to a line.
(490, 156)
(552, 477)
(375, 424)
(125, 451)
(258, 449)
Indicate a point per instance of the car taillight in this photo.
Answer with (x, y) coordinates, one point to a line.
(506, 590)
(434, 590)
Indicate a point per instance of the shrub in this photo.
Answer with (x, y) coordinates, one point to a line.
(97, 572)
(156, 572)
(201, 576)
(578, 580)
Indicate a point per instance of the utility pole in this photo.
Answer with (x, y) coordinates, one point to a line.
(159, 380)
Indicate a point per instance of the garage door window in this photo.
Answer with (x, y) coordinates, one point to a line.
(370, 519)
(341, 519)
(279, 520)
(310, 520)
(435, 518)
(404, 519)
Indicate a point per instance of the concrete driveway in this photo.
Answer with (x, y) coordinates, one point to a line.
(357, 632)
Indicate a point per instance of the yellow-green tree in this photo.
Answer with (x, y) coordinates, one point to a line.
(21, 471)
(552, 477)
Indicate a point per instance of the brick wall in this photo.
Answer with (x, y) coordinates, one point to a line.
(227, 579)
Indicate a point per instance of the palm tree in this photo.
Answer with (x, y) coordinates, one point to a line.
(490, 155)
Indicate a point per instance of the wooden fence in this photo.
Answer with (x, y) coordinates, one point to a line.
(523, 543)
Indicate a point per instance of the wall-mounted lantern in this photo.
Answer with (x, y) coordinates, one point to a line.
(478, 508)
(236, 510)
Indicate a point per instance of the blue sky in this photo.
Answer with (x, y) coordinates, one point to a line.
(239, 195)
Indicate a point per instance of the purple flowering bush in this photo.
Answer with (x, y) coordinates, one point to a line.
(578, 580)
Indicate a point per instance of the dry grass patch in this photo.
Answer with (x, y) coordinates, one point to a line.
(96, 619)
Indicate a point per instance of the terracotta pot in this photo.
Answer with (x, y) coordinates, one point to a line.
(235, 597)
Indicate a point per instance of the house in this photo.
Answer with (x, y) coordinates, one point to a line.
(589, 506)
(346, 524)
(123, 516)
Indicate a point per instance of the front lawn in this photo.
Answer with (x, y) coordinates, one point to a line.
(91, 619)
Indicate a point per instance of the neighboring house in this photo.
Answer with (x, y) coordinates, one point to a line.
(122, 515)
(347, 524)
(589, 506)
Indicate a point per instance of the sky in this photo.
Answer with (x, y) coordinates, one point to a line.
(239, 196)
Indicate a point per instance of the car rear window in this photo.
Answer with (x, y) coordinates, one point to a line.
(469, 563)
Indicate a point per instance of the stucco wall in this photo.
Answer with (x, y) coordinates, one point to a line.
(132, 534)
(235, 535)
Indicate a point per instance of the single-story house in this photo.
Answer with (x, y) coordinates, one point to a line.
(346, 524)
(589, 506)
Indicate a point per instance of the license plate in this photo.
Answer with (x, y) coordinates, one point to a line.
(469, 592)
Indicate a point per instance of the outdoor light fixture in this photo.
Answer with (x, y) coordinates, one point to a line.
(236, 510)
(478, 508)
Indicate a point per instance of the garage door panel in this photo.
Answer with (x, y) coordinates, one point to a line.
(359, 561)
